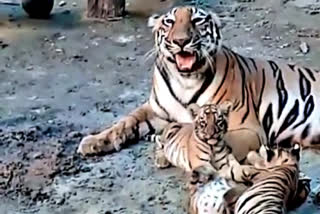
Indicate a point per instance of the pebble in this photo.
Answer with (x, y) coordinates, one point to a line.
(266, 37)
(29, 68)
(285, 45)
(37, 155)
(304, 47)
(74, 134)
(58, 50)
(60, 201)
(62, 3)
(61, 38)
(247, 29)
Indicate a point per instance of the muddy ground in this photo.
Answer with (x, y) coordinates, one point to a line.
(63, 78)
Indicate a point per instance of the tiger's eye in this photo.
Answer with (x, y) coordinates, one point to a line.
(168, 21)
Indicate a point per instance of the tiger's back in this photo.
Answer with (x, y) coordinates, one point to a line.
(277, 187)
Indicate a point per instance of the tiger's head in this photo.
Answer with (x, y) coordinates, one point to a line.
(275, 156)
(280, 155)
(210, 121)
(187, 37)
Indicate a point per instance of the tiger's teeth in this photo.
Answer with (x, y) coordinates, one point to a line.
(185, 61)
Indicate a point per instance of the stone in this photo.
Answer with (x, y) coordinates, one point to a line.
(304, 47)
(39, 9)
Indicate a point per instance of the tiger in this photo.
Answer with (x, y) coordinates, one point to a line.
(192, 145)
(277, 190)
(273, 101)
(278, 176)
(207, 192)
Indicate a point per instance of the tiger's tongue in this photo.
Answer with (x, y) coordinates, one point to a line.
(185, 61)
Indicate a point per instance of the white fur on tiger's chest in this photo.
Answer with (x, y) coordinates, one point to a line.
(171, 97)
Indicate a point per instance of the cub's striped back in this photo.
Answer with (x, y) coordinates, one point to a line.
(277, 188)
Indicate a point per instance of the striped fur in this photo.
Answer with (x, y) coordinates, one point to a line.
(275, 184)
(273, 101)
(206, 195)
(190, 146)
(277, 188)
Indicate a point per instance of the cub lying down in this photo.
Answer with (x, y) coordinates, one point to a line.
(276, 188)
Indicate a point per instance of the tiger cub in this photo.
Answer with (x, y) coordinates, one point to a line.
(201, 143)
(207, 193)
(279, 188)
(217, 195)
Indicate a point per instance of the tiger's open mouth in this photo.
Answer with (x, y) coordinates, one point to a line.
(185, 60)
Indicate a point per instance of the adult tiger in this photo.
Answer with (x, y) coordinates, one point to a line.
(271, 100)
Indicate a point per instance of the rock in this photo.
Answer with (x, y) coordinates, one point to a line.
(37, 155)
(38, 9)
(304, 47)
(59, 50)
(62, 3)
(248, 29)
(29, 68)
(285, 45)
(61, 38)
(60, 201)
(266, 37)
(74, 134)
(3, 45)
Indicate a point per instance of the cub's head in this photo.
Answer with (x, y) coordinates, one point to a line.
(210, 121)
(275, 156)
(281, 155)
(187, 37)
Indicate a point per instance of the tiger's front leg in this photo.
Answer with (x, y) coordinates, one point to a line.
(131, 128)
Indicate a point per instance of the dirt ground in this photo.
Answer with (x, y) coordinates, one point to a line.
(63, 78)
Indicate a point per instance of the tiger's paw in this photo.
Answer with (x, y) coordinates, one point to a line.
(160, 160)
(92, 145)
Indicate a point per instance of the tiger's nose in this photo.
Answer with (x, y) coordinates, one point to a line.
(182, 42)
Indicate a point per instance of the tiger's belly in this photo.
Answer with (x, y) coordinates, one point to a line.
(209, 198)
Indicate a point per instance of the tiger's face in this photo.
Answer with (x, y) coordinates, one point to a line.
(211, 121)
(187, 37)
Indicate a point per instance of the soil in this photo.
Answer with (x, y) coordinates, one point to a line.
(68, 76)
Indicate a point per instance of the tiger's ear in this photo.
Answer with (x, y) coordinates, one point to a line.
(269, 153)
(193, 108)
(226, 107)
(296, 150)
(154, 21)
(215, 19)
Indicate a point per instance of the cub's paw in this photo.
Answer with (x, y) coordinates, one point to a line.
(91, 145)
(160, 160)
